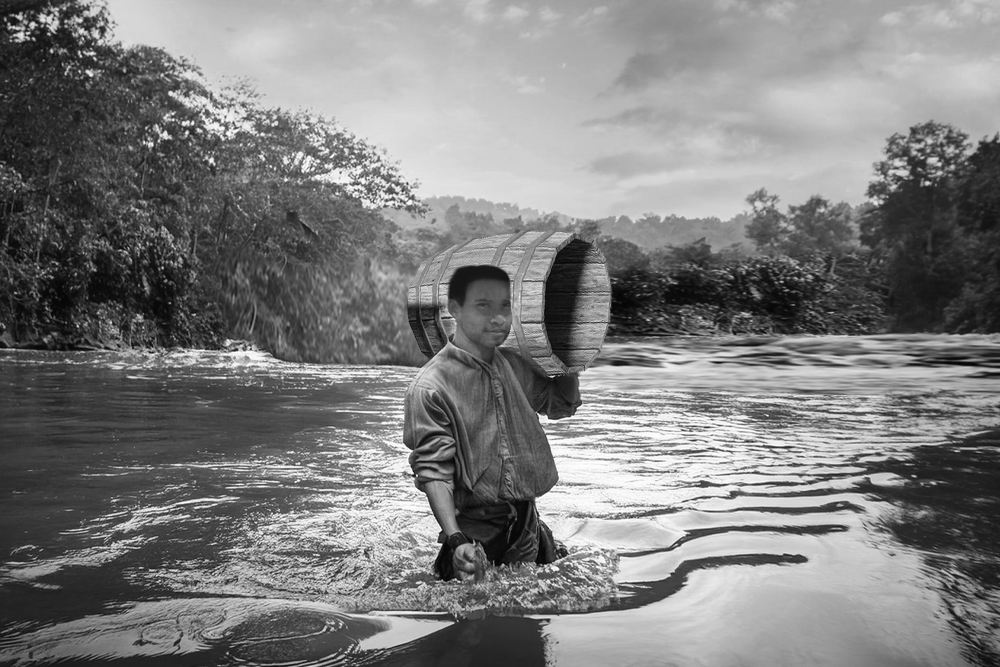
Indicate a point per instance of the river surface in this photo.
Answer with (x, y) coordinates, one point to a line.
(744, 502)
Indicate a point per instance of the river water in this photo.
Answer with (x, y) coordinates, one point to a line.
(730, 502)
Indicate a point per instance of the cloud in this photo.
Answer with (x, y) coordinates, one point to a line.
(750, 40)
(515, 14)
(667, 44)
(547, 21)
(549, 15)
(952, 88)
(891, 19)
(780, 132)
(477, 10)
(779, 11)
(950, 15)
(980, 11)
(525, 86)
(775, 10)
(592, 14)
(681, 147)
(642, 117)
(261, 45)
(631, 163)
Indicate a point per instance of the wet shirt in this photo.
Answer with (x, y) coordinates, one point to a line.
(474, 425)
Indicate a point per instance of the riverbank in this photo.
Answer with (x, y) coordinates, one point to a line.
(61, 342)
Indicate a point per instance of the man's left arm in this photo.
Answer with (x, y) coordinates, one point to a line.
(563, 396)
(555, 397)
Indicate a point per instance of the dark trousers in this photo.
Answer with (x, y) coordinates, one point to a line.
(522, 538)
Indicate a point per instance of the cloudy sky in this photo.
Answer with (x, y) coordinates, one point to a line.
(666, 106)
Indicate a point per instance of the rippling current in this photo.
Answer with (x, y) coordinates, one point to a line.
(797, 501)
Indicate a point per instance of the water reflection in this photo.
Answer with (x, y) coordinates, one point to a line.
(234, 631)
(487, 642)
(949, 512)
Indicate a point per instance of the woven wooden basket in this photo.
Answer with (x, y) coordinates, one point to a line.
(560, 293)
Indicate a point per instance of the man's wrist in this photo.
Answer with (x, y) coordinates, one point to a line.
(457, 539)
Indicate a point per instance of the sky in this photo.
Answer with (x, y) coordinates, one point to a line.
(672, 107)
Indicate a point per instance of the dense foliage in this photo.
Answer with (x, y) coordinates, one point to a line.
(922, 255)
(764, 294)
(140, 206)
(934, 226)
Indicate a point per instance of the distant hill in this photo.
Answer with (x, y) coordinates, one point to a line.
(500, 212)
(652, 231)
(649, 232)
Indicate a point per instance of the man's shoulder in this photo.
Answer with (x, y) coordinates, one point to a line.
(518, 364)
(512, 356)
(434, 374)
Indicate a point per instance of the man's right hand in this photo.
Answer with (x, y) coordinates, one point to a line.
(464, 560)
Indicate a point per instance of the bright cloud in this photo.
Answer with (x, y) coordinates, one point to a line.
(591, 14)
(514, 14)
(478, 10)
(549, 15)
(525, 85)
(779, 11)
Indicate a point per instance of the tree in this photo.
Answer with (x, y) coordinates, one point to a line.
(768, 228)
(52, 61)
(8, 7)
(622, 256)
(977, 308)
(979, 201)
(783, 289)
(699, 253)
(819, 227)
(588, 230)
(915, 192)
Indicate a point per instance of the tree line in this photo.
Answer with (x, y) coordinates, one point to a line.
(922, 255)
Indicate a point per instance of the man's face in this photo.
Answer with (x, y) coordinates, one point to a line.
(484, 320)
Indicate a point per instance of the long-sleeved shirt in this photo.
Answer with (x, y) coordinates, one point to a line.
(474, 425)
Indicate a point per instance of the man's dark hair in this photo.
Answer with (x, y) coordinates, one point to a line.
(459, 284)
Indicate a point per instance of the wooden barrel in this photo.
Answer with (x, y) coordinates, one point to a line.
(560, 294)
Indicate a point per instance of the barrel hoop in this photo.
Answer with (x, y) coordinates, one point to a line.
(437, 283)
(420, 319)
(503, 246)
(519, 277)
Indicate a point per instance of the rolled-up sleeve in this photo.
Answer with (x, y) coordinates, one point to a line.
(557, 398)
(428, 432)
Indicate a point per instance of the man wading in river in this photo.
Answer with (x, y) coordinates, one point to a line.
(479, 452)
